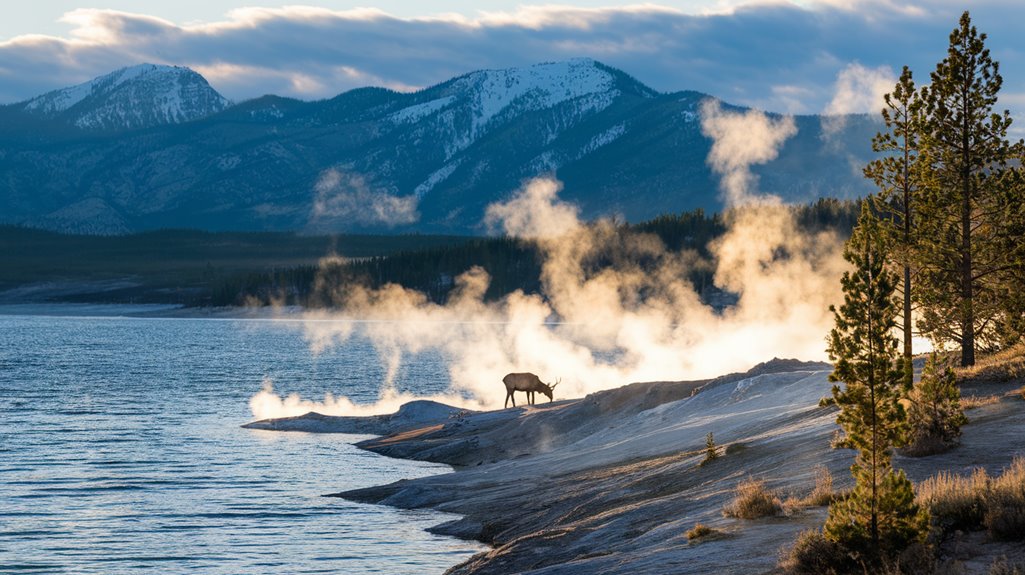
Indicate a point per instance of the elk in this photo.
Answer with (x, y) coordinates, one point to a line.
(529, 383)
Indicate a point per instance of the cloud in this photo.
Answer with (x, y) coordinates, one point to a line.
(772, 55)
(344, 200)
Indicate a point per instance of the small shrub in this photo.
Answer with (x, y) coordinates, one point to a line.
(955, 501)
(700, 531)
(1005, 504)
(1003, 567)
(735, 448)
(917, 559)
(752, 501)
(813, 554)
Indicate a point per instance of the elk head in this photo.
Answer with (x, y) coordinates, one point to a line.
(550, 390)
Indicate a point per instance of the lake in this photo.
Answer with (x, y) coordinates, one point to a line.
(121, 452)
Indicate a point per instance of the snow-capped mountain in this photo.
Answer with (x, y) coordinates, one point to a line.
(448, 151)
(135, 97)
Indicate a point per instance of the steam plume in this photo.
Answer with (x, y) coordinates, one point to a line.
(739, 140)
(344, 199)
(859, 90)
(622, 322)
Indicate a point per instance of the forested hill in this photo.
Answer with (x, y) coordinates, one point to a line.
(512, 264)
(233, 268)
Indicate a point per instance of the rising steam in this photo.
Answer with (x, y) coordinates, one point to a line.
(342, 199)
(619, 324)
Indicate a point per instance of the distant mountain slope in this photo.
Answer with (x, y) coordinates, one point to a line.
(136, 97)
(448, 151)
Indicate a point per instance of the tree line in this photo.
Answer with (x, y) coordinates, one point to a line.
(512, 264)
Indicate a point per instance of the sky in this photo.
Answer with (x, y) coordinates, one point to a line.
(812, 56)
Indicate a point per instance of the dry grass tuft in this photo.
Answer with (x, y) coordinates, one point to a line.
(823, 493)
(752, 501)
(973, 401)
(965, 503)
(955, 501)
(1005, 504)
(821, 496)
(702, 531)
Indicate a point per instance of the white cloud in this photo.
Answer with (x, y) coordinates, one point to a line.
(776, 55)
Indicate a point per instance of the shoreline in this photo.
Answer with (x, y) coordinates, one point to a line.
(150, 310)
(611, 482)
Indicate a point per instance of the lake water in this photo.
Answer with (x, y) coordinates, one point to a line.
(121, 452)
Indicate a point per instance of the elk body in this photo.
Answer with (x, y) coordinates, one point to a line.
(528, 383)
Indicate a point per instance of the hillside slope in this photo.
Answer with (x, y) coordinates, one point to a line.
(611, 483)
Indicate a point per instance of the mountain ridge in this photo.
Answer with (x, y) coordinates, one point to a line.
(139, 96)
(446, 152)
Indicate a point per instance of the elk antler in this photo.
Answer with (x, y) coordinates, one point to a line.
(556, 383)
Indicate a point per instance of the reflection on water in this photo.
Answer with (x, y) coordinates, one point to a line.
(121, 452)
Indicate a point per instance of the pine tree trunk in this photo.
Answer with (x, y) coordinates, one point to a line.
(909, 372)
(967, 295)
(907, 323)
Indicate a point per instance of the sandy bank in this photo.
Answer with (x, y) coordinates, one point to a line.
(611, 482)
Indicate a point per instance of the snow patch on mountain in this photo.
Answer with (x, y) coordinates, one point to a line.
(538, 87)
(605, 138)
(137, 96)
(546, 163)
(417, 112)
(436, 178)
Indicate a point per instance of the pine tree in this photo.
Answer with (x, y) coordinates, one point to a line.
(965, 148)
(897, 176)
(935, 415)
(880, 517)
(711, 449)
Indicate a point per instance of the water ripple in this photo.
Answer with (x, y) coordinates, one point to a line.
(122, 453)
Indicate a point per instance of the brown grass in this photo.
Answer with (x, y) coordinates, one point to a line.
(823, 493)
(973, 401)
(702, 531)
(752, 501)
(1005, 365)
(955, 501)
(1005, 504)
(965, 503)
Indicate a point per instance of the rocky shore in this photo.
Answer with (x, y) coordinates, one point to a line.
(610, 483)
